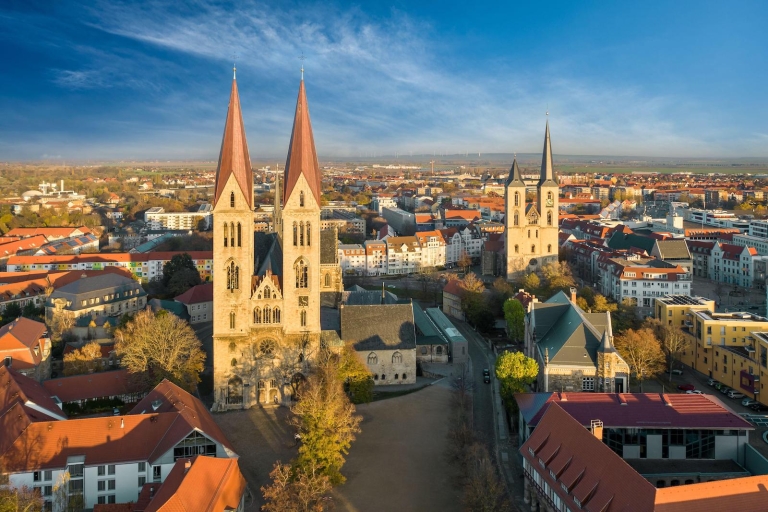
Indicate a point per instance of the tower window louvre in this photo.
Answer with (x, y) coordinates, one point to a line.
(226, 234)
(231, 199)
(232, 320)
(301, 199)
(309, 242)
(517, 198)
(232, 234)
(295, 234)
(239, 235)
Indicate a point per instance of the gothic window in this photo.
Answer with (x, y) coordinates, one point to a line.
(327, 280)
(537, 233)
(226, 234)
(239, 238)
(233, 277)
(549, 248)
(267, 293)
(549, 196)
(276, 315)
(517, 219)
(295, 234)
(267, 315)
(517, 198)
(517, 248)
(438, 351)
(529, 233)
(309, 235)
(231, 319)
(301, 233)
(232, 234)
(373, 358)
(533, 249)
(302, 274)
(303, 318)
(397, 357)
(257, 315)
(549, 218)
(231, 199)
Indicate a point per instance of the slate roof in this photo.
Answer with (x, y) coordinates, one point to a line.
(269, 254)
(628, 240)
(370, 298)
(427, 332)
(380, 327)
(569, 335)
(515, 179)
(177, 308)
(329, 247)
(96, 287)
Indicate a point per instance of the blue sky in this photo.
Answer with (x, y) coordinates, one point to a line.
(144, 80)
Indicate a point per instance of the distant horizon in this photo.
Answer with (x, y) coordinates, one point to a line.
(112, 80)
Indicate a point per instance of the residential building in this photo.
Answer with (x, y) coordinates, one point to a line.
(108, 459)
(375, 257)
(26, 346)
(403, 255)
(352, 258)
(676, 310)
(80, 389)
(641, 280)
(574, 349)
(345, 222)
(760, 243)
(532, 228)
(157, 218)
(109, 294)
(381, 201)
(50, 234)
(432, 248)
(199, 303)
(452, 295)
(403, 222)
(145, 266)
(431, 346)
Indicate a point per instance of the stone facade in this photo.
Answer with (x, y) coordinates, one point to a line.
(390, 367)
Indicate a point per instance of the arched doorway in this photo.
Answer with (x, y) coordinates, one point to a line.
(235, 390)
(297, 383)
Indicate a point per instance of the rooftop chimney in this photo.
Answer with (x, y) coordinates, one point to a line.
(187, 465)
(573, 295)
(122, 423)
(597, 429)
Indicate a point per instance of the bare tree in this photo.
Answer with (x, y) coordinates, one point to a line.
(484, 491)
(85, 359)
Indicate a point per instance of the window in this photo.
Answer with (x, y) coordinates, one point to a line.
(517, 219)
(142, 467)
(383, 377)
(404, 376)
(327, 280)
(549, 218)
(37, 475)
(48, 475)
(439, 351)
(257, 316)
(588, 384)
(231, 319)
(101, 470)
(276, 315)
(111, 469)
(232, 234)
(397, 376)
(309, 235)
(233, 277)
(101, 485)
(517, 249)
(239, 233)
(533, 249)
(268, 293)
(373, 358)
(194, 444)
(142, 481)
(301, 199)
(517, 201)
(295, 234)
(397, 357)
(549, 248)
(231, 199)
(267, 315)
(529, 233)
(303, 318)
(302, 274)
(156, 473)
(301, 233)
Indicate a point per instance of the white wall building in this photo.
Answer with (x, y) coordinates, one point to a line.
(352, 258)
(156, 218)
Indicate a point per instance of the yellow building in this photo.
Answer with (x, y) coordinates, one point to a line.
(675, 310)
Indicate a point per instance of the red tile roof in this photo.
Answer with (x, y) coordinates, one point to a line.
(208, 484)
(91, 386)
(453, 288)
(638, 410)
(197, 294)
(48, 232)
(749, 494)
(11, 248)
(592, 473)
(19, 339)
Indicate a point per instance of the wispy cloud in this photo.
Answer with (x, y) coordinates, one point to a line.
(375, 84)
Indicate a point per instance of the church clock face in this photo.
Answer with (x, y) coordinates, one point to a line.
(303, 300)
(550, 202)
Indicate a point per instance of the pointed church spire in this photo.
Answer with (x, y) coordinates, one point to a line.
(515, 179)
(547, 173)
(606, 346)
(302, 158)
(233, 157)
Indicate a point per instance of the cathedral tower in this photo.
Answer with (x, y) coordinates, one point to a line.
(531, 229)
(233, 242)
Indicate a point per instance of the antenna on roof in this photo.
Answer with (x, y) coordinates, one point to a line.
(302, 65)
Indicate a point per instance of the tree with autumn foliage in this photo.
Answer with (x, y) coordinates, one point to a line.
(642, 351)
(86, 359)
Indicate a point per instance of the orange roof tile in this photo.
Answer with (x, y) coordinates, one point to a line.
(749, 494)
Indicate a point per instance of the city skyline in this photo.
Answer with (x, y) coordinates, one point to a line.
(148, 81)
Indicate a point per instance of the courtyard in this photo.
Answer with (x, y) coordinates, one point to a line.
(396, 463)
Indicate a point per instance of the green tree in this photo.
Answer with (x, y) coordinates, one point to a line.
(625, 316)
(357, 378)
(177, 263)
(514, 314)
(558, 276)
(600, 304)
(514, 371)
(296, 490)
(182, 280)
(161, 346)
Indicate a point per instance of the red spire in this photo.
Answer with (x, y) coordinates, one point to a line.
(234, 158)
(302, 158)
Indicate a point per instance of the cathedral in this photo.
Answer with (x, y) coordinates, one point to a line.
(531, 229)
(268, 287)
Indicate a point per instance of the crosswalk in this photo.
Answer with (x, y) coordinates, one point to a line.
(759, 420)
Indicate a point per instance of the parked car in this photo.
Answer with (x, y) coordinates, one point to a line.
(677, 371)
(724, 389)
(758, 407)
(487, 379)
(747, 402)
(115, 412)
(711, 381)
(686, 387)
(694, 392)
(735, 394)
(486, 371)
